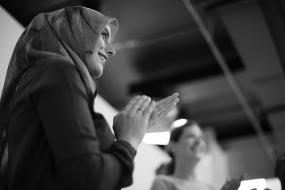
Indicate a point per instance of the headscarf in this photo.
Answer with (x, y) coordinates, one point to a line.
(59, 34)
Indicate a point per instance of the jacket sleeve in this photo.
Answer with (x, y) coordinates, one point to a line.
(62, 105)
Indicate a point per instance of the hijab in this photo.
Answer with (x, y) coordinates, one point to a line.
(65, 33)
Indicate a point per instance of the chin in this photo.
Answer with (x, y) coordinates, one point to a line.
(96, 73)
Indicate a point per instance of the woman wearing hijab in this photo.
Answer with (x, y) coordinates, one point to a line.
(51, 138)
(186, 148)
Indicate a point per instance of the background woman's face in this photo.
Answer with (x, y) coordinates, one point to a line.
(98, 56)
(191, 144)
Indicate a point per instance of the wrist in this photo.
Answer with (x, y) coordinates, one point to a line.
(133, 143)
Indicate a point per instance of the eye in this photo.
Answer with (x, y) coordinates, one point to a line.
(105, 35)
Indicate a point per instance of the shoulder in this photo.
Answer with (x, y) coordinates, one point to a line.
(51, 73)
(55, 70)
(54, 65)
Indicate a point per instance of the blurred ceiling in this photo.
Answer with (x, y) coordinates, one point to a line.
(161, 50)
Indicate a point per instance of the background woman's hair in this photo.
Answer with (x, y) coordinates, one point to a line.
(169, 167)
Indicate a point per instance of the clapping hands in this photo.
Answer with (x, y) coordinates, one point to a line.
(139, 114)
(131, 123)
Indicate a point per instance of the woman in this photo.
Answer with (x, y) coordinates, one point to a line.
(186, 148)
(51, 138)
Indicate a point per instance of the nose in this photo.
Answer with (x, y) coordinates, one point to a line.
(110, 50)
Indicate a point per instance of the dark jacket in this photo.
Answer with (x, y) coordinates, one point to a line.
(56, 141)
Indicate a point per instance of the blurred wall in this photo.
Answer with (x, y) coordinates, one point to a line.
(265, 79)
(246, 156)
(9, 34)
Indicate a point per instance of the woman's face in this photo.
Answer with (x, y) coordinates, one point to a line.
(191, 144)
(99, 55)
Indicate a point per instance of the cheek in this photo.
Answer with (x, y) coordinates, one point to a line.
(100, 43)
(91, 60)
(185, 147)
(191, 142)
(93, 65)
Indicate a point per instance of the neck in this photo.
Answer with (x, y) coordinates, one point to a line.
(185, 169)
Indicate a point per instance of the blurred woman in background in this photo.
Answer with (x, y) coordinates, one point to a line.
(186, 148)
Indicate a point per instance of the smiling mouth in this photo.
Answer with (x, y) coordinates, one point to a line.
(103, 57)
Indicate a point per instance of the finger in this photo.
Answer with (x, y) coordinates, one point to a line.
(166, 109)
(155, 112)
(131, 103)
(148, 110)
(167, 100)
(163, 112)
(144, 104)
(174, 95)
(137, 104)
(164, 102)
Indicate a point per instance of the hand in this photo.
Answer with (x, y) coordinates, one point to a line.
(162, 108)
(232, 184)
(131, 123)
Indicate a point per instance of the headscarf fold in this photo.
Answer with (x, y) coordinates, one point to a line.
(59, 34)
